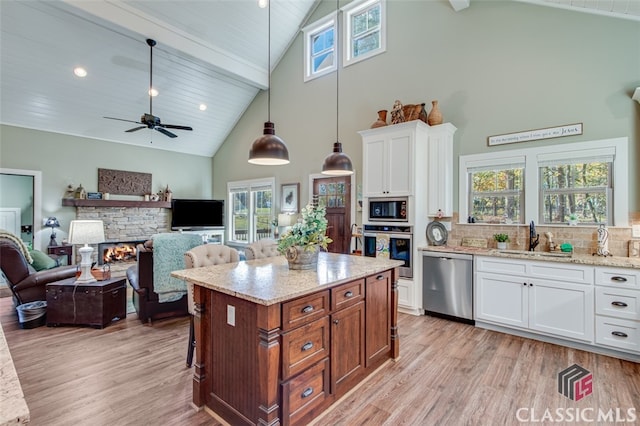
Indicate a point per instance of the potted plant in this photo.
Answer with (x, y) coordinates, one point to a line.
(501, 240)
(573, 219)
(301, 244)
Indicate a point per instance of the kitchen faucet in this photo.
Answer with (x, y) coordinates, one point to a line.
(534, 239)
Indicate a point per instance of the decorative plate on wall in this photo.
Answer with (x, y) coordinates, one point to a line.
(437, 234)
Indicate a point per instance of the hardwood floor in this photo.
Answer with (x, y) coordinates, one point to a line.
(448, 374)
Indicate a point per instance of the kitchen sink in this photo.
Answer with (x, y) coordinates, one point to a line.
(537, 253)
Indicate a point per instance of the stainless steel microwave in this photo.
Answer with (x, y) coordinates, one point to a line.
(388, 209)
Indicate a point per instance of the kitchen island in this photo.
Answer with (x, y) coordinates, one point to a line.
(279, 346)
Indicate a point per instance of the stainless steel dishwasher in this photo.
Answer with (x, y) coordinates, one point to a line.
(447, 285)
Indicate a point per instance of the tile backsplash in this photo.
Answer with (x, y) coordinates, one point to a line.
(584, 239)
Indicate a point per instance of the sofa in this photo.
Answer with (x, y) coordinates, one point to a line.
(27, 284)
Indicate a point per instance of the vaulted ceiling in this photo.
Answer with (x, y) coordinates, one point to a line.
(208, 52)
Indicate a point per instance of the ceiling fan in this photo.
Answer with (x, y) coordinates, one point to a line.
(149, 120)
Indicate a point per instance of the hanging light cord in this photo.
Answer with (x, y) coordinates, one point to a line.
(269, 65)
(335, 50)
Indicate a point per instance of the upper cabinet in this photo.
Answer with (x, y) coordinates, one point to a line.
(388, 153)
(407, 158)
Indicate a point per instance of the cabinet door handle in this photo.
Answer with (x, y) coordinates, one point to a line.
(307, 309)
(348, 294)
(621, 304)
(524, 284)
(619, 334)
(307, 346)
(619, 279)
(530, 284)
(307, 392)
(380, 277)
(336, 322)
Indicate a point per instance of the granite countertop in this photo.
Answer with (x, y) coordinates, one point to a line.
(13, 407)
(269, 281)
(582, 259)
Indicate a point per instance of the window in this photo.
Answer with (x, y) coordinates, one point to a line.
(547, 184)
(319, 48)
(580, 190)
(250, 210)
(497, 194)
(364, 30)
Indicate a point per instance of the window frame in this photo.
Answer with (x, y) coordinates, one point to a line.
(355, 8)
(503, 193)
(252, 228)
(311, 31)
(534, 156)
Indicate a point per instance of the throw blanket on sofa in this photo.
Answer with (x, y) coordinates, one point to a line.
(23, 248)
(168, 255)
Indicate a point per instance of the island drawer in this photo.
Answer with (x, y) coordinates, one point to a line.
(347, 294)
(621, 278)
(618, 333)
(618, 302)
(305, 392)
(304, 310)
(304, 346)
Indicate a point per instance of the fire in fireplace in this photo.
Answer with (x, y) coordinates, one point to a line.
(117, 252)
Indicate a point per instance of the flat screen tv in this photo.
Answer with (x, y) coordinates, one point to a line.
(196, 214)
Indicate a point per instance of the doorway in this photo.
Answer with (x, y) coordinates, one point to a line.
(23, 189)
(334, 193)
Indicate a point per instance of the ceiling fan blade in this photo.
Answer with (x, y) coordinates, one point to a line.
(173, 126)
(166, 132)
(122, 119)
(135, 129)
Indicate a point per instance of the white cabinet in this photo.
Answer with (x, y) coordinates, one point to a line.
(550, 298)
(440, 170)
(389, 157)
(618, 308)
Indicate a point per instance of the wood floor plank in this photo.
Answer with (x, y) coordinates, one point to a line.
(447, 374)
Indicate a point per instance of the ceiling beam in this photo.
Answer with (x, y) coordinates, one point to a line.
(135, 20)
(458, 5)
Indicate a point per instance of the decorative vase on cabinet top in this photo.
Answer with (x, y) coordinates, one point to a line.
(382, 119)
(435, 116)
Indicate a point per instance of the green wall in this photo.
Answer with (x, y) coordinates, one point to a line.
(497, 67)
(65, 160)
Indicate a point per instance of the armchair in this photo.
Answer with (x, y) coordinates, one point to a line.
(25, 283)
(145, 275)
(262, 248)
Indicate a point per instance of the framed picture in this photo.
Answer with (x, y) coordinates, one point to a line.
(290, 201)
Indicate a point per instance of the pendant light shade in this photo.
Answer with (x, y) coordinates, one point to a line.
(337, 163)
(268, 149)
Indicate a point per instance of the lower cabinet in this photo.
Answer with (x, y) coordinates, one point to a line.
(520, 294)
(331, 340)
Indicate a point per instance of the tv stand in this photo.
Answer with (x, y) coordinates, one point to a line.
(209, 236)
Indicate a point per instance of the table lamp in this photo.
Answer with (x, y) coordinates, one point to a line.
(86, 232)
(287, 219)
(52, 223)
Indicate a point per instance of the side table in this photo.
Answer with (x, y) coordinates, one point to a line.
(95, 304)
(58, 252)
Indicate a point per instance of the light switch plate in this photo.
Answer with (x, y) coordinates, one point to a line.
(231, 315)
(635, 231)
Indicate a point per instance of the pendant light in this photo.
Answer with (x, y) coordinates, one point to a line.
(337, 163)
(269, 149)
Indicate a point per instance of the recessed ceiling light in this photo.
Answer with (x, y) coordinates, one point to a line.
(80, 72)
(153, 92)
(263, 3)
(203, 107)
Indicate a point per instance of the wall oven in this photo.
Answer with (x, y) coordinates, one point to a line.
(393, 242)
(387, 209)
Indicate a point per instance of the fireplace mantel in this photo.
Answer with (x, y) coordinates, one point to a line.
(115, 203)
